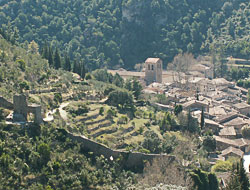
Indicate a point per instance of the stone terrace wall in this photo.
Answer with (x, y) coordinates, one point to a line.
(132, 159)
(6, 104)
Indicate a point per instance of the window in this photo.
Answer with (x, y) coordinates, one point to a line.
(152, 67)
(148, 67)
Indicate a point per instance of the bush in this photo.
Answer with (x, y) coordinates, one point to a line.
(224, 166)
(21, 64)
(123, 120)
(245, 131)
(88, 76)
(101, 110)
(58, 98)
(209, 143)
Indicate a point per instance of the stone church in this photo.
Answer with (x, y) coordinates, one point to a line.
(153, 72)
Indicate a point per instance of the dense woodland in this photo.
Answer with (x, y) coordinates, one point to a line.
(122, 33)
(40, 37)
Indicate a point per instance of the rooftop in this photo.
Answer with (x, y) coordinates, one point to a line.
(227, 131)
(232, 150)
(152, 60)
(241, 105)
(236, 143)
(236, 122)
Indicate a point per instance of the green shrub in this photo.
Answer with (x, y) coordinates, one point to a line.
(21, 64)
(58, 97)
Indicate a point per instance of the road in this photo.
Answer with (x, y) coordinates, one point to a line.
(49, 115)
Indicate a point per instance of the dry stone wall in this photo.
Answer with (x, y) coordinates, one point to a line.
(6, 104)
(132, 159)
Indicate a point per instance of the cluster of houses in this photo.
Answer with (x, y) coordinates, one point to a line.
(224, 103)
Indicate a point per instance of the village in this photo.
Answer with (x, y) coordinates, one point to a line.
(224, 103)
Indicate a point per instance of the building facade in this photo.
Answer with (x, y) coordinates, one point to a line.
(153, 70)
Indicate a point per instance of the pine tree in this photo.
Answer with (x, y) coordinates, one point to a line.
(57, 59)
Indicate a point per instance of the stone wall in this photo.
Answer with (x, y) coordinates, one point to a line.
(37, 111)
(132, 159)
(21, 108)
(6, 104)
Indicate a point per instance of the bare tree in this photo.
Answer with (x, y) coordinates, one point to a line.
(181, 65)
(166, 171)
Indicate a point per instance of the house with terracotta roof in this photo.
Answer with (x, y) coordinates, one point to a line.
(232, 152)
(194, 105)
(228, 132)
(224, 143)
(243, 108)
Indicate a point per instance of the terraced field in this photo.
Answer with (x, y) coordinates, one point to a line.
(111, 131)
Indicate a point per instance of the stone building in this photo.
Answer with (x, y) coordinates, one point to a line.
(21, 109)
(153, 70)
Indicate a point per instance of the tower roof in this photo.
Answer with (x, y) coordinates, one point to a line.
(152, 60)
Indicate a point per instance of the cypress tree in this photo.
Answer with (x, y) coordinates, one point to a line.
(50, 56)
(45, 51)
(67, 63)
(248, 96)
(83, 70)
(75, 67)
(202, 118)
(57, 59)
(238, 179)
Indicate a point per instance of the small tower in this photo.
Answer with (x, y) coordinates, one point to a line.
(153, 70)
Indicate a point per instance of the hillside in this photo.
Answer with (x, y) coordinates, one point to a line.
(125, 32)
(44, 157)
(98, 133)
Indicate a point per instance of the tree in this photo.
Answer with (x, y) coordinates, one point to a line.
(22, 64)
(83, 70)
(238, 179)
(152, 142)
(67, 63)
(178, 109)
(245, 131)
(118, 80)
(202, 118)
(192, 123)
(33, 47)
(57, 59)
(45, 51)
(181, 64)
(50, 56)
(23, 86)
(209, 143)
(120, 98)
(248, 96)
(203, 180)
(134, 86)
(44, 152)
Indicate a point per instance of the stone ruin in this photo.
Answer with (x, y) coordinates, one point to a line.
(21, 109)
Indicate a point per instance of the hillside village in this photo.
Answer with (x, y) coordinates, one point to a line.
(224, 103)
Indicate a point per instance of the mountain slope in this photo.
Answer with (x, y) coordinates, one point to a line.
(125, 32)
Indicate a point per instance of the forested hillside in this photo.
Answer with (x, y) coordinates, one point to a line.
(125, 32)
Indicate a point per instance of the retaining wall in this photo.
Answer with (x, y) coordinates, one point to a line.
(6, 104)
(132, 159)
